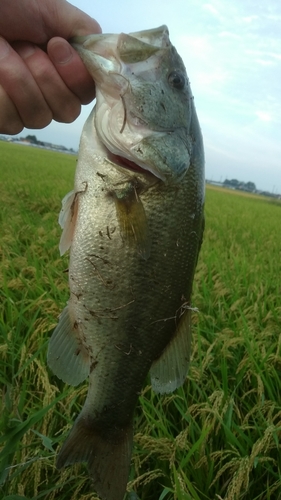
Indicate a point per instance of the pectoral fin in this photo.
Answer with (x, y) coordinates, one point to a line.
(132, 220)
(67, 357)
(170, 370)
(67, 220)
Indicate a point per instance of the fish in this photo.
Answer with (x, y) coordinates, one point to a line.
(134, 226)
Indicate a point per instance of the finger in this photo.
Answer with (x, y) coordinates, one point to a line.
(10, 121)
(22, 89)
(71, 69)
(70, 21)
(63, 103)
(38, 21)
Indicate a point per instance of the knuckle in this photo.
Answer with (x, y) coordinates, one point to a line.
(39, 119)
(10, 120)
(24, 108)
(68, 113)
(11, 128)
(73, 114)
(88, 96)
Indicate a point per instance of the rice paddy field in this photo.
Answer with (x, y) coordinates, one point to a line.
(217, 437)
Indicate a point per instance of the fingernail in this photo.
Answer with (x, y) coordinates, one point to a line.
(61, 53)
(4, 48)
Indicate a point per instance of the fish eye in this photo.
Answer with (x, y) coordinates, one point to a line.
(176, 79)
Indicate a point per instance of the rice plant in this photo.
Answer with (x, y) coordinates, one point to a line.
(218, 436)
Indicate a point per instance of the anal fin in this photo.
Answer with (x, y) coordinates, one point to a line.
(169, 371)
(67, 357)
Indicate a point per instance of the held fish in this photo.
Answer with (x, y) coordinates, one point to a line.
(134, 226)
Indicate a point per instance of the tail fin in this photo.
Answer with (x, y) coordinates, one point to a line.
(108, 457)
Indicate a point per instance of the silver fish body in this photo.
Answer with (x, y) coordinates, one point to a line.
(134, 225)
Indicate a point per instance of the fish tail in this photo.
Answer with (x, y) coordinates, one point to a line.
(108, 456)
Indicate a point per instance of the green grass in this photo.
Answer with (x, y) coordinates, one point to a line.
(217, 437)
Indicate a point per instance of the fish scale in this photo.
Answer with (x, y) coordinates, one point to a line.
(134, 225)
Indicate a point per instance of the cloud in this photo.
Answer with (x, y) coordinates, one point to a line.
(264, 116)
(211, 9)
(232, 52)
(249, 19)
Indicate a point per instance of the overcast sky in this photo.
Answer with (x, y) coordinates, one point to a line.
(232, 53)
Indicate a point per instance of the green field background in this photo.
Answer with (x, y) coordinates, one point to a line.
(217, 437)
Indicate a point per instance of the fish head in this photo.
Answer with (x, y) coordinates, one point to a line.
(144, 105)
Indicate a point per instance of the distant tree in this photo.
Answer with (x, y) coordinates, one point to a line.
(250, 186)
(32, 138)
(245, 186)
(232, 182)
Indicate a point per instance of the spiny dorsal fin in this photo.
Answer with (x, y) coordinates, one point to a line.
(131, 50)
(169, 371)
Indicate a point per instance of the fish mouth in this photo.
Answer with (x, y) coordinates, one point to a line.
(123, 162)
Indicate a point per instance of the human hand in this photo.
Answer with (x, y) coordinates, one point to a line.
(41, 75)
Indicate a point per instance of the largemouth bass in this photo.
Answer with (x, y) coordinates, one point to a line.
(134, 226)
